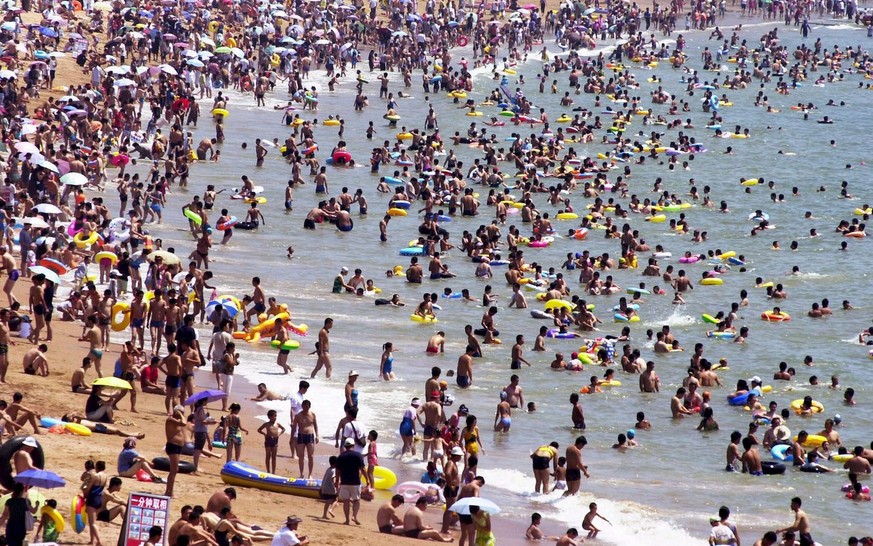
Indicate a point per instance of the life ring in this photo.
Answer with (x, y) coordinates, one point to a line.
(55, 265)
(77, 429)
(220, 112)
(78, 515)
(463, 41)
(77, 6)
(396, 212)
(193, 216)
(120, 325)
(797, 405)
(55, 517)
(290, 345)
(81, 242)
(227, 224)
(331, 122)
(213, 26)
(105, 255)
(163, 464)
(770, 316)
(712, 281)
(7, 450)
(383, 478)
(275, 60)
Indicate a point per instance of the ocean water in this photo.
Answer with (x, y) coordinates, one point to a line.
(662, 491)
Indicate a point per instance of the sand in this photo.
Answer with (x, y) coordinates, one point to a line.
(66, 454)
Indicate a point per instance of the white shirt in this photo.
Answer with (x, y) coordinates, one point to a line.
(285, 537)
(354, 431)
(296, 403)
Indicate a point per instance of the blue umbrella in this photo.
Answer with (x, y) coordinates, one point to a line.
(50, 32)
(36, 477)
(210, 395)
(228, 306)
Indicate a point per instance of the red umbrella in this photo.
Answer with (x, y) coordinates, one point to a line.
(180, 104)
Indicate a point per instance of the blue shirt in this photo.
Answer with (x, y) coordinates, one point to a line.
(126, 459)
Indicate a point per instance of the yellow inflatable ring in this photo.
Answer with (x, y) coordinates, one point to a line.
(396, 212)
(213, 26)
(123, 309)
(331, 122)
(105, 255)
(383, 478)
(797, 405)
(81, 242)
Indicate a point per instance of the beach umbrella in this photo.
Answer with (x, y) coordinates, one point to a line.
(124, 82)
(168, 257)
(47, 241)
(560, 304)
(46, 208)
(50, 274)
(588, 11)
(34, 221)
(462, 506)
(28, 129)
(7, 75)
(77, 112)
(140, 70)
(180, 45)
(68, 98)
(9, 25)
(205, 54)
(322, 42)
(34, 159)
(189, 53)
(57, 54)
(112, 383)
(102, 6)
(195, 63)
(222, 49)
(74, 179)
(48, 165)
(207, 41)
(227, 305)
(170, 37)
(47, 31)
(36, 477)
(136, 35)
(167, 69)
(118, 70)
(237, 52)
(26, 148)
(210, 395)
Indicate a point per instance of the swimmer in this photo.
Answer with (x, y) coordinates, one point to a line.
(588, 521)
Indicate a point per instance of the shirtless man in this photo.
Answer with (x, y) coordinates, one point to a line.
(433, 417)
(677, 406)
(323, 350)
(306, 426)
(21, 414)
(575, 467)
(750, 458)
(4, 344)
(138, 311)
(107, 512)
(414, 527)
(21, 459)
(172, 367)
(157, 321)
(38, 307)
(259, 300)
(464, 373)
(78, 384)
(514, 393)
(453, 483)
(801, 523)
(174, 429)
(858, 464)
(569, 538)
(387, 519)
(7, 264)
(649, 380)
(265, 394)
(516, 359)
(437, 343)
(35, 362)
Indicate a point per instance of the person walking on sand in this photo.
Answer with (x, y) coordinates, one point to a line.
(271, 431)
(350, 467)
(306, 426)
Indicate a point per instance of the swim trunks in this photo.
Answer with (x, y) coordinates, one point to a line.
(429, 431)
(305, 439)
(433, 349)
(137, 322)
(387, 529)
(173, 382)
(260, 307)
(516, 365)
(412, 534)
(271, 441)
(574, 474)
(541, 463)
(463, 381)
(173, 449)
(96, 352)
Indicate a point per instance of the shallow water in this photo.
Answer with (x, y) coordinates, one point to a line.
(663, 490)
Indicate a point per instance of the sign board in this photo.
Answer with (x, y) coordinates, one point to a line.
(145, 510)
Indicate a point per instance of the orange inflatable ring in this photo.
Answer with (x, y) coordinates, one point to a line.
(463, 41)
(77, 6)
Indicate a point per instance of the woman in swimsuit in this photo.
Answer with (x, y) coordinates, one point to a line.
(386, 369)
(470, 435)
(233, 436)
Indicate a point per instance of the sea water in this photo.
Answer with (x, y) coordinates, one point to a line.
(662, 491)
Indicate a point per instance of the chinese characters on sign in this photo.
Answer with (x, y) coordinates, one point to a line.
(144, 511)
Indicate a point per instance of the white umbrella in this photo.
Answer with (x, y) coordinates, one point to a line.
(8, 74)
(462, 506)
(102, 6)
(207, 41)
(46, 208)
(322, 42)
(26, 148)
(28, 129)
(48, 165)
(237, 52)
(118, 69)
(140, 70)
(57, 54)
(189, 53)
(167, 69)
(74, 179)
(195, 63)
(35, 221)
(68, 98)
(136, 35)
(124, 82)
(205, 54)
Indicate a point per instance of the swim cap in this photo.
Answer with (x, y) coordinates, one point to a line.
(631, 433)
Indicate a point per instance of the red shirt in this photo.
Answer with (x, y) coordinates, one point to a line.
(149, 374)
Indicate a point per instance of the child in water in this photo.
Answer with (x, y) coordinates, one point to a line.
(588, 524)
